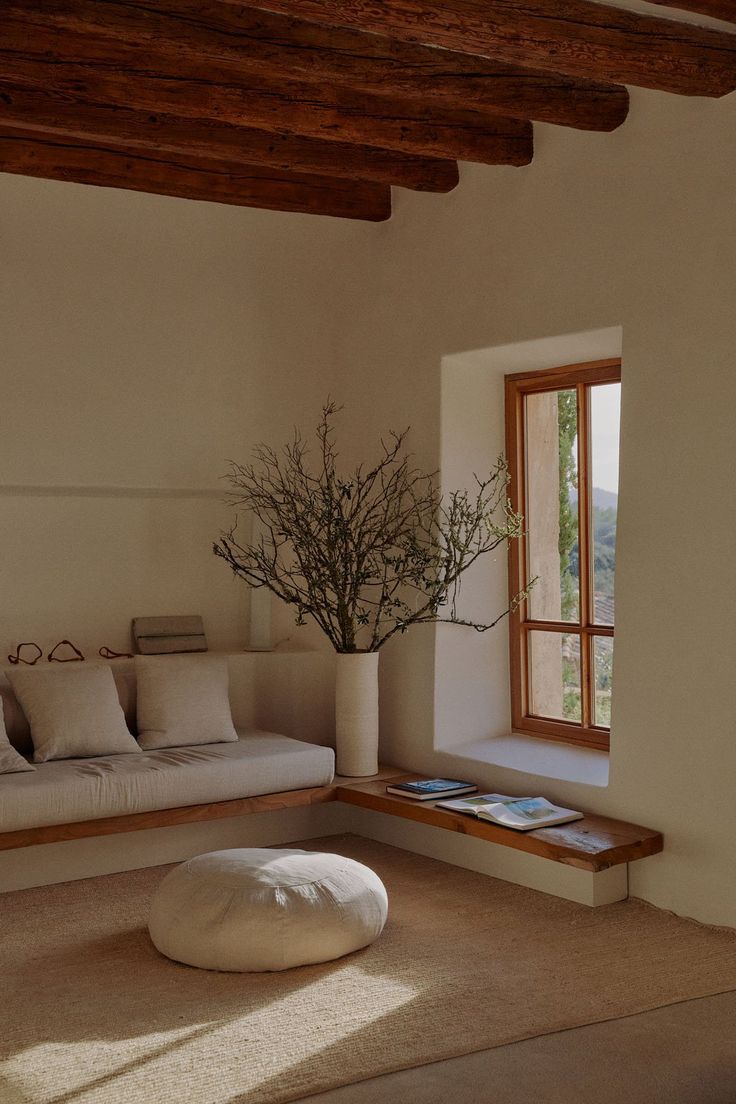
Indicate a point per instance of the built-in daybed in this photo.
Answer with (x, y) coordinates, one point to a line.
(71, 798)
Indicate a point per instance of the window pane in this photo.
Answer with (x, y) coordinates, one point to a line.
(603, 668)
(554, 675)
(605, 412)
(551, 505)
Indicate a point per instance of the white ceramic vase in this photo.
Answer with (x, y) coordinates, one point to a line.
(356, 714)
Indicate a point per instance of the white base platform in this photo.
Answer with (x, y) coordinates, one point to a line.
(49, 863)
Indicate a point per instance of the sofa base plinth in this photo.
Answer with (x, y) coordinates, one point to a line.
(70, 860)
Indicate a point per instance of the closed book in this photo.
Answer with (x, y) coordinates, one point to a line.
(430, 789)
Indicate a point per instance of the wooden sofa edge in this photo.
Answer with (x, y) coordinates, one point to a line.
(161, 818)
(183, 814)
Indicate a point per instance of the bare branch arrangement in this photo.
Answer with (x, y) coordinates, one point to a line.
(369, 554)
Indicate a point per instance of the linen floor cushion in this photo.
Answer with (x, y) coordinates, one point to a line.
(254, 909)
(11, 761)
(183, 700)
(73, 711)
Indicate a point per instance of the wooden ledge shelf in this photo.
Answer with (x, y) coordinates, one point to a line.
(594, 843)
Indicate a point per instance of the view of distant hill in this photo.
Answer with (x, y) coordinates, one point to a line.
(604, 500)
(605, 508)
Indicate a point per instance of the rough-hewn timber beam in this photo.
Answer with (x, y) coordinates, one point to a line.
(33, 110)
(190, 178)
(238, 42)
(285, 107)
(568, 36)
(717, 9)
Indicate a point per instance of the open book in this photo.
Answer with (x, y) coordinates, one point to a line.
(522, 813)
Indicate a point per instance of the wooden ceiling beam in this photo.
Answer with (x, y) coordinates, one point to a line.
(35, 111)
(238, 42)
(576, 37)
(80, 162)
(282, 107)
(716, 9)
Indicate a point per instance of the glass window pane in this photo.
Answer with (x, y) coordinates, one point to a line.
(551, 505)
(554, 675)
(605, 414)
(603, 669)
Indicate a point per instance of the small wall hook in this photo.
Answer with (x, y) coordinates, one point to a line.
(53, 658)
(18, 658)
(108, 653)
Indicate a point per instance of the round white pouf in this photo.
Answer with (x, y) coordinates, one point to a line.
(256, 908)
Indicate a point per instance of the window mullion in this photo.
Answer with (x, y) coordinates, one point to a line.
(518, 569)
(584, 541)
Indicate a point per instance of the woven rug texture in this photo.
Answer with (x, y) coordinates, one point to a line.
(90, 1013)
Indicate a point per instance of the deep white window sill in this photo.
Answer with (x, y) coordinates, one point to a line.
(545, 758)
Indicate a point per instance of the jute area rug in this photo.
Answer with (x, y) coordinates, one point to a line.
(90, 1013)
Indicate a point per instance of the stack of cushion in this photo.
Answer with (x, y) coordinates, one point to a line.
(87, 763)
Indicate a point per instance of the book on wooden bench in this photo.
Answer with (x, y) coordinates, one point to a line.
(521, 813)
(429, 789)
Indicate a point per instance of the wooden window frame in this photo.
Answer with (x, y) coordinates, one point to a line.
(517, 387)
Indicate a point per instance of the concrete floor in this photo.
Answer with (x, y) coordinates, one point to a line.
(683, 1054)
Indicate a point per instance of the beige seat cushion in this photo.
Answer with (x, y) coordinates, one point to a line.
(183, 700)
(254, 909)
(87, 789)
(73, 710)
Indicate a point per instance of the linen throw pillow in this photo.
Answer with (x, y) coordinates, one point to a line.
(183, 700)
(11, 761)
(74, 712)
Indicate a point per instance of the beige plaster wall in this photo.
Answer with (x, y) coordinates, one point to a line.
(146, 340)
(636, 229)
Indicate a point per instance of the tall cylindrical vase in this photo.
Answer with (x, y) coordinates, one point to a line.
(356, 713)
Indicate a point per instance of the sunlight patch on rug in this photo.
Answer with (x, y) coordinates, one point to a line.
(98, 1070)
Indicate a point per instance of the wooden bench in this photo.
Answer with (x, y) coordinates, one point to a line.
(594, 843)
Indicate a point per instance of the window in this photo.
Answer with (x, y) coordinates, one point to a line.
(562, 429)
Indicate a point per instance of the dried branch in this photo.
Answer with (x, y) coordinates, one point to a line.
(367, 555)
